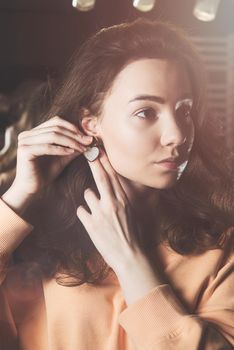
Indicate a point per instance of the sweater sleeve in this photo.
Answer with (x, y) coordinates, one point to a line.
(13, 230)
(159, 321)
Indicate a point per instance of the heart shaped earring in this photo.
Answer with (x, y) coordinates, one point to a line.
(93, 151)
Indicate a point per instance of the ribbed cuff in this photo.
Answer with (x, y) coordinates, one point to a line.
(13, 229)
(156, 315)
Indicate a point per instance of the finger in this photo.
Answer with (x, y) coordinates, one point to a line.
(119, 191)
(91, 200)
(81, 138)
(58, 121)
(62, 122)
(52, 138)
(102, 180)
(34, 151)
(84, 217)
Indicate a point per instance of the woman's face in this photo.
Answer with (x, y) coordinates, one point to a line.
(145, 119)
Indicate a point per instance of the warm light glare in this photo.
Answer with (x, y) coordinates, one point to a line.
(83, 5)
(206, 10)
(144, 5)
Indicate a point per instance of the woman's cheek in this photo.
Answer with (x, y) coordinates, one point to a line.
(119, 152)
(127, 144)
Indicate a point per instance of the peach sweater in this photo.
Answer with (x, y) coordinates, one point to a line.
(182, 315)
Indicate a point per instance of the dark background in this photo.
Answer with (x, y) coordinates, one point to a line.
(38, 36)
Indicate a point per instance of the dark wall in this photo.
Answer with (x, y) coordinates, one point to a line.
(38, 36)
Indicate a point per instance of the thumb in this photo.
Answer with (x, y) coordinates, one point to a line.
(65, 160)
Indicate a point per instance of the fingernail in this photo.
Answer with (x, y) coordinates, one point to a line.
(88, 139)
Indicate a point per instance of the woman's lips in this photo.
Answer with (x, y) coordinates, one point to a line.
(171, 164)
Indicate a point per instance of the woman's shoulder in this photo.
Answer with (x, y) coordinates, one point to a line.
(216, 256)
(23, 282)
(22, 293)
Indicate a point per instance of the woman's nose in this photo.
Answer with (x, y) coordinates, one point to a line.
(173, 132)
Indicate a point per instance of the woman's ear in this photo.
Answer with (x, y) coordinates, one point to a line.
(89, 123)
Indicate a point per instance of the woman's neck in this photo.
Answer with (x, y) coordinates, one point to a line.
(145, 203)
(143, 199)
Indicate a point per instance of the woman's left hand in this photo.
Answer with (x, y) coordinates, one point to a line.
(110, 225)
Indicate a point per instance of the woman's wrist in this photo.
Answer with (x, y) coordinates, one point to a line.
(16, 199)
(137, 278)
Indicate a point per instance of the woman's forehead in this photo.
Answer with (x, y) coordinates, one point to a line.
(151, 77)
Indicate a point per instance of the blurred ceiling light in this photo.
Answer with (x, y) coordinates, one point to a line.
(144, 5)
(83, 5)
(206, 10)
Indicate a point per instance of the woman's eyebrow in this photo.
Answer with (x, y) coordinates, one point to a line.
(157, 99)
(154, 98)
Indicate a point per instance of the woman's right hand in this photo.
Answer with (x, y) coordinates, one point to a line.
(56, 137)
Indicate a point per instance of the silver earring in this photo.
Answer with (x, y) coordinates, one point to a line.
(93, 151)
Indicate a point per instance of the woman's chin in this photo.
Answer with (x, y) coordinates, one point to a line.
(162, 182)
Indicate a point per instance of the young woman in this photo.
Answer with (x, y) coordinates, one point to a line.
(117, 230)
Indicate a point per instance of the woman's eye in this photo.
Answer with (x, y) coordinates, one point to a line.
(184, 111)
(146, 113)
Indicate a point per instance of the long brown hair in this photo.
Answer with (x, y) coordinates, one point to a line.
(195, 215)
